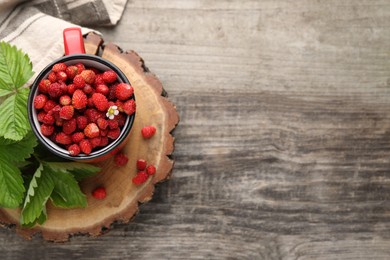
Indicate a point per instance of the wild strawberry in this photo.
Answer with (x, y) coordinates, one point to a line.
(141, 164)
(82, 122)
(52, 77)
(77, 137)
(88, 89)
(55, 111)
(90, 103)
(71, 89)
(151, 170)
(102, 89)
(121, 119)
(129, 107)
(95, 142)
(55, 90)
(111, 94)
(74, 150)
(69, 126)
(43, 86)
(114, 134)
(140, 178)
(79, 81)
(99, 80)
(48, 119)
(123, 91)
(99, 193)
(119, 104)
(92, 130)
(102, 123)
(59, 122)
(61, 75)
(71, 72)
(47, 130)
(59, 67)
(104, 132)
(103, 141)
(148, 131)
(41, 115)
(65, 100)
(109, 76)
(63, 138)
(113, 124)
(100, 102)
(120, 159)
(93, 115)
(79, 99)
(40, 101)
(88, 76)
(80, 67)
(66, 112)
(85, 146)
(50, 104)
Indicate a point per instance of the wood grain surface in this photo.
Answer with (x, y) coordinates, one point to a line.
(283, 146)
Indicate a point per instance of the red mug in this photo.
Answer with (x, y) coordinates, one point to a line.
(75, 53)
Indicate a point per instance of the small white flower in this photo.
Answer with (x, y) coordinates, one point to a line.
(112, 112)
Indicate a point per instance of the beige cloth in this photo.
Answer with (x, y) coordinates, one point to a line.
(36, 26)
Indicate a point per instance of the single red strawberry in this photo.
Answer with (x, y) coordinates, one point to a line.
(109, 76)
(71, 71)
(91, 130)
(120, 159)
(66, 112)
(90, 103)
(99, 80)
(141, 164)
(48, 119)
(85, 146)
(52, 77)
(114, 133)
(151, 169)
(95, 142)
(63, 138)
(121, 119)
(82, 122)
(148, 131)
(123, 91)
(59, 122)
(129, 107)
(99, 193)
(59, 67)
(113, 124)
(69, 126)
(40, 101)
(61, 76)
(88, 76)
(50, 104)
(100, 102)
(79, 81)
(103, 141)
(55, 90)
(43, 86)
(65, 100)
(119, 104)
(104, 132)
(102, 89)
(47, 130)
(93, 115)
(79, 99)
(71, 89)
(140, 178)
(77, 137)
(74, 150)
(88, 89)
(41, 115)
(111, 94)
(80, 67)
(102, 123)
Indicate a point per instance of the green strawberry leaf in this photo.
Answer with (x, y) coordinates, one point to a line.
(18, 151)
(79, 170)
(13, 116)
(67, 193)
(40, 188)
(15, 67)
(11, 184)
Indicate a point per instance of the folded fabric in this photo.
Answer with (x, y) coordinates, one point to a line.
(36, 26)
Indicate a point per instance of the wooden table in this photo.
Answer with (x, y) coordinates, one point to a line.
(283, 148)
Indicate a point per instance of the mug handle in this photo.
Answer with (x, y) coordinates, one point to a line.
(73, 41)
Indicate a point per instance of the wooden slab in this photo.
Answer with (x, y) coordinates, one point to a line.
(123, 197)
